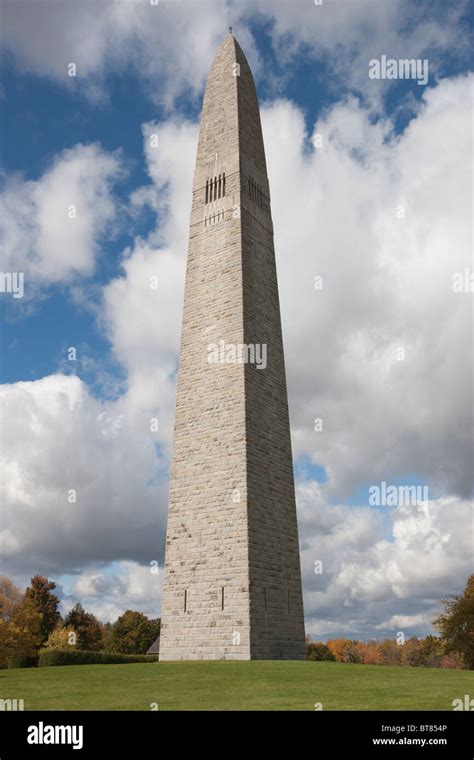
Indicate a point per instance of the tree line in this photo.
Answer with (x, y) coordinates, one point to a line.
(31, 621)
(452, 648)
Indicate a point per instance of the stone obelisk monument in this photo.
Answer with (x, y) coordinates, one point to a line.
(232, 584)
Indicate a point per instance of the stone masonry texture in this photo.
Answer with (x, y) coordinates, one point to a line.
(232, 581)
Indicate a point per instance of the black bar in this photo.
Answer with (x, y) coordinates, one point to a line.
(321, 733)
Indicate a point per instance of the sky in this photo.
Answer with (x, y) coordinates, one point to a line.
(371, 192)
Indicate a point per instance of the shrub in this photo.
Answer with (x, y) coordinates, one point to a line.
(50, 657)
(24, 661)
(319, 652)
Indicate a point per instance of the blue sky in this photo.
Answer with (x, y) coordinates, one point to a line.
(311, 75)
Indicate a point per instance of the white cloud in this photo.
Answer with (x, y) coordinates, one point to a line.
(57, 437)
(387, 283)
(50, 227)
(392, 566)
(169, 45)
(401, 621)
(109, 591)
(143, 322)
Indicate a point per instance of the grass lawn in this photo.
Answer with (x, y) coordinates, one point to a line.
(264, 685)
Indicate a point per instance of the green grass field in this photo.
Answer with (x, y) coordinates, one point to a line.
(235, 686)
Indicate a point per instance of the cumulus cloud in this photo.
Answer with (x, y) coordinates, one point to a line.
(51, 228)
(169, 44)
(384, 220)
(81, 481)
(142, 308)
(108, 591)
(367, 571)
(344, 36)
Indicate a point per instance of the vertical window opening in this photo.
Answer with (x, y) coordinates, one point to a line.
(219, 193)
(222, 598)
(185, 599)
(207, 190)
(223, 185)
(215, 188)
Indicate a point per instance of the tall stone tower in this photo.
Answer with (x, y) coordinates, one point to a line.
(232, 585)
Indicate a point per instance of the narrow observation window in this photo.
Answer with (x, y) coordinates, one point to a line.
(219, 193)
(215, 188)
(223, 184)
(222, 598)
(185, 599)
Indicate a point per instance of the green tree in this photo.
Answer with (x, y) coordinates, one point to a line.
(87, 627)
(456, 624)
(45, 602)
(107, 637)
(134, 633)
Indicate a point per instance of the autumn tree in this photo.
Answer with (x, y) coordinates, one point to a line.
(456, 624)
(87, 627)
(134, 633)
(369, 652)
(411, 652)
(45, 602)
(61, 638)
(338, 648)
(389, 652)
(20, 623)
(432, 651)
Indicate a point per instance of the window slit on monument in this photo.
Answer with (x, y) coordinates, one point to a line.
(223, 184)
(222, 598)
(185, 599)
(207, 190)
(220, 187)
